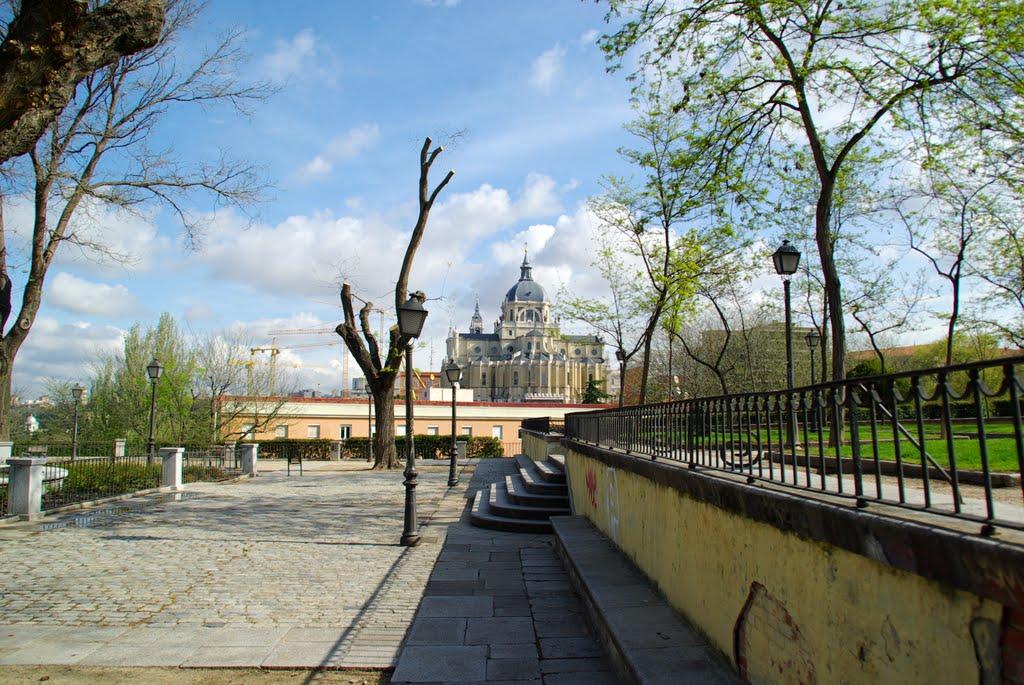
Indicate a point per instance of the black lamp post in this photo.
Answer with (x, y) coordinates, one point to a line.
(787, 259)
(621, 356)
(76, 392)
(369, 422)
(454, 374)
(411, 316)
(154, 370)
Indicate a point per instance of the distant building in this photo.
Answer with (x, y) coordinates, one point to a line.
(526, 358)
(31, 424)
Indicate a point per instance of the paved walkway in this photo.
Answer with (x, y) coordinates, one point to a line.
(283, 571)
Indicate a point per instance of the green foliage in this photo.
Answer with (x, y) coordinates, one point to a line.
(594, 394)
(307, 448)
(99, 476)
(429, 447)
(202, 473)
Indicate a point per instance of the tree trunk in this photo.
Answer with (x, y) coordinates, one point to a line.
(833, 292)
(384, 454)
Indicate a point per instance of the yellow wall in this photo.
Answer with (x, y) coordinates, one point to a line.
(806, 611)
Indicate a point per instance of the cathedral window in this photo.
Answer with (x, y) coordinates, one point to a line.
(515, 378)
(483, 378)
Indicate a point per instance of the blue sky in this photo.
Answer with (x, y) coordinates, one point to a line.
(361, 84)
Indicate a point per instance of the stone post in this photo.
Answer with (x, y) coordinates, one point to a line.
(247, 455)
(335, 450)
(230, 457)
(25, 486)
(172, 458)
(460, 450)
(5, 450)
(119, 446)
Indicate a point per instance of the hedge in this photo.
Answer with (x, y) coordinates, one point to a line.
(306, 448)
(429, 447)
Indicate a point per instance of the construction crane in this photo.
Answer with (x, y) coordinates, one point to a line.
(275, 350)
(317, 331)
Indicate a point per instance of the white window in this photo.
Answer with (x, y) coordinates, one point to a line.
(432, 430)
(281, 432)
(313, 430)
(247, 431)
(467, 430)
(497, 432)
(345, 432)
(400, 429)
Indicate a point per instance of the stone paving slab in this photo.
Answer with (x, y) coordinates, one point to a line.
(272, 571)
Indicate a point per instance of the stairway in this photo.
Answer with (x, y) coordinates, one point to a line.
(525, 501)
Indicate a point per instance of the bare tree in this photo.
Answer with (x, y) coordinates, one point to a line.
(96, 153)
(380, 372)
(50, 46)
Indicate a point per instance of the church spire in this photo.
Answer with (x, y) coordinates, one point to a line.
(526, 271)
(476, 324)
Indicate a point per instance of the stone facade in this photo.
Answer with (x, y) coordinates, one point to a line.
(526, 358)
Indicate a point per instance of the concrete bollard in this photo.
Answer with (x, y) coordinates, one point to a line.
(172, 458)
(25, 486)
(247, 456)
(119, 446)
(5, 450)
(460, 450)
(335, 450)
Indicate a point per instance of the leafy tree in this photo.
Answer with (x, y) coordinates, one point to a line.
(95, 153)
(831, 77)
(380, 372)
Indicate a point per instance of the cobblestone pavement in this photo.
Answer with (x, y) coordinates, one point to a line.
(276, 571)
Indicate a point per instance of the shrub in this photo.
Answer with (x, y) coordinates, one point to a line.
(429, 447)
(202, 473)
(306, 448)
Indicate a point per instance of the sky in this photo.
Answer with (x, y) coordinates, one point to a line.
(360, 85)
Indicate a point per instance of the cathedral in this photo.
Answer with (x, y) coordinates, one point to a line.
(526, 358)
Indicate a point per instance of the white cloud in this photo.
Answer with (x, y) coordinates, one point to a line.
(291, 57)
(340, 149)
(63, 351)
(546, 69)
(78, 296)
(588, 37)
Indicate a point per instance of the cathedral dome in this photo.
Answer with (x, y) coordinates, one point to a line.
(527, 289)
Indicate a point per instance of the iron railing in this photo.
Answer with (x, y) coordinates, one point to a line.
(539, 424)
(67, 482)
(945, 440)
(5, 507)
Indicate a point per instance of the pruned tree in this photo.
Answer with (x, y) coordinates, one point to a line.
(97, 153)
(381, 370)
(49, 46)
(756, 77)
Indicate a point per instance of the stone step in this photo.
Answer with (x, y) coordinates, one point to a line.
(499, 503)
(481, 516)
(558, 460)
(517, 492)
(534, 483)
(545, 471)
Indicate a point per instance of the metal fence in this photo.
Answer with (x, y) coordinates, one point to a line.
(943, 440)
(4, 490)
(67, 482)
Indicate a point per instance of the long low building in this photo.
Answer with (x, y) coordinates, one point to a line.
(340, 418)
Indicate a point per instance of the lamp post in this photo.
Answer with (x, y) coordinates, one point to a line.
(369, 422)
(76, 392)
(411, 316)
(454, 374)
(786, 260)
(813, 338)
(154, 370)
(621, 356)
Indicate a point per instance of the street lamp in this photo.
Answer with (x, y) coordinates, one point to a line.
(76, 392)
(411, 316)
(621, 356)
(787, 259)
(813, 338)
(154, 370)
(369, 422)
(454, 374)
